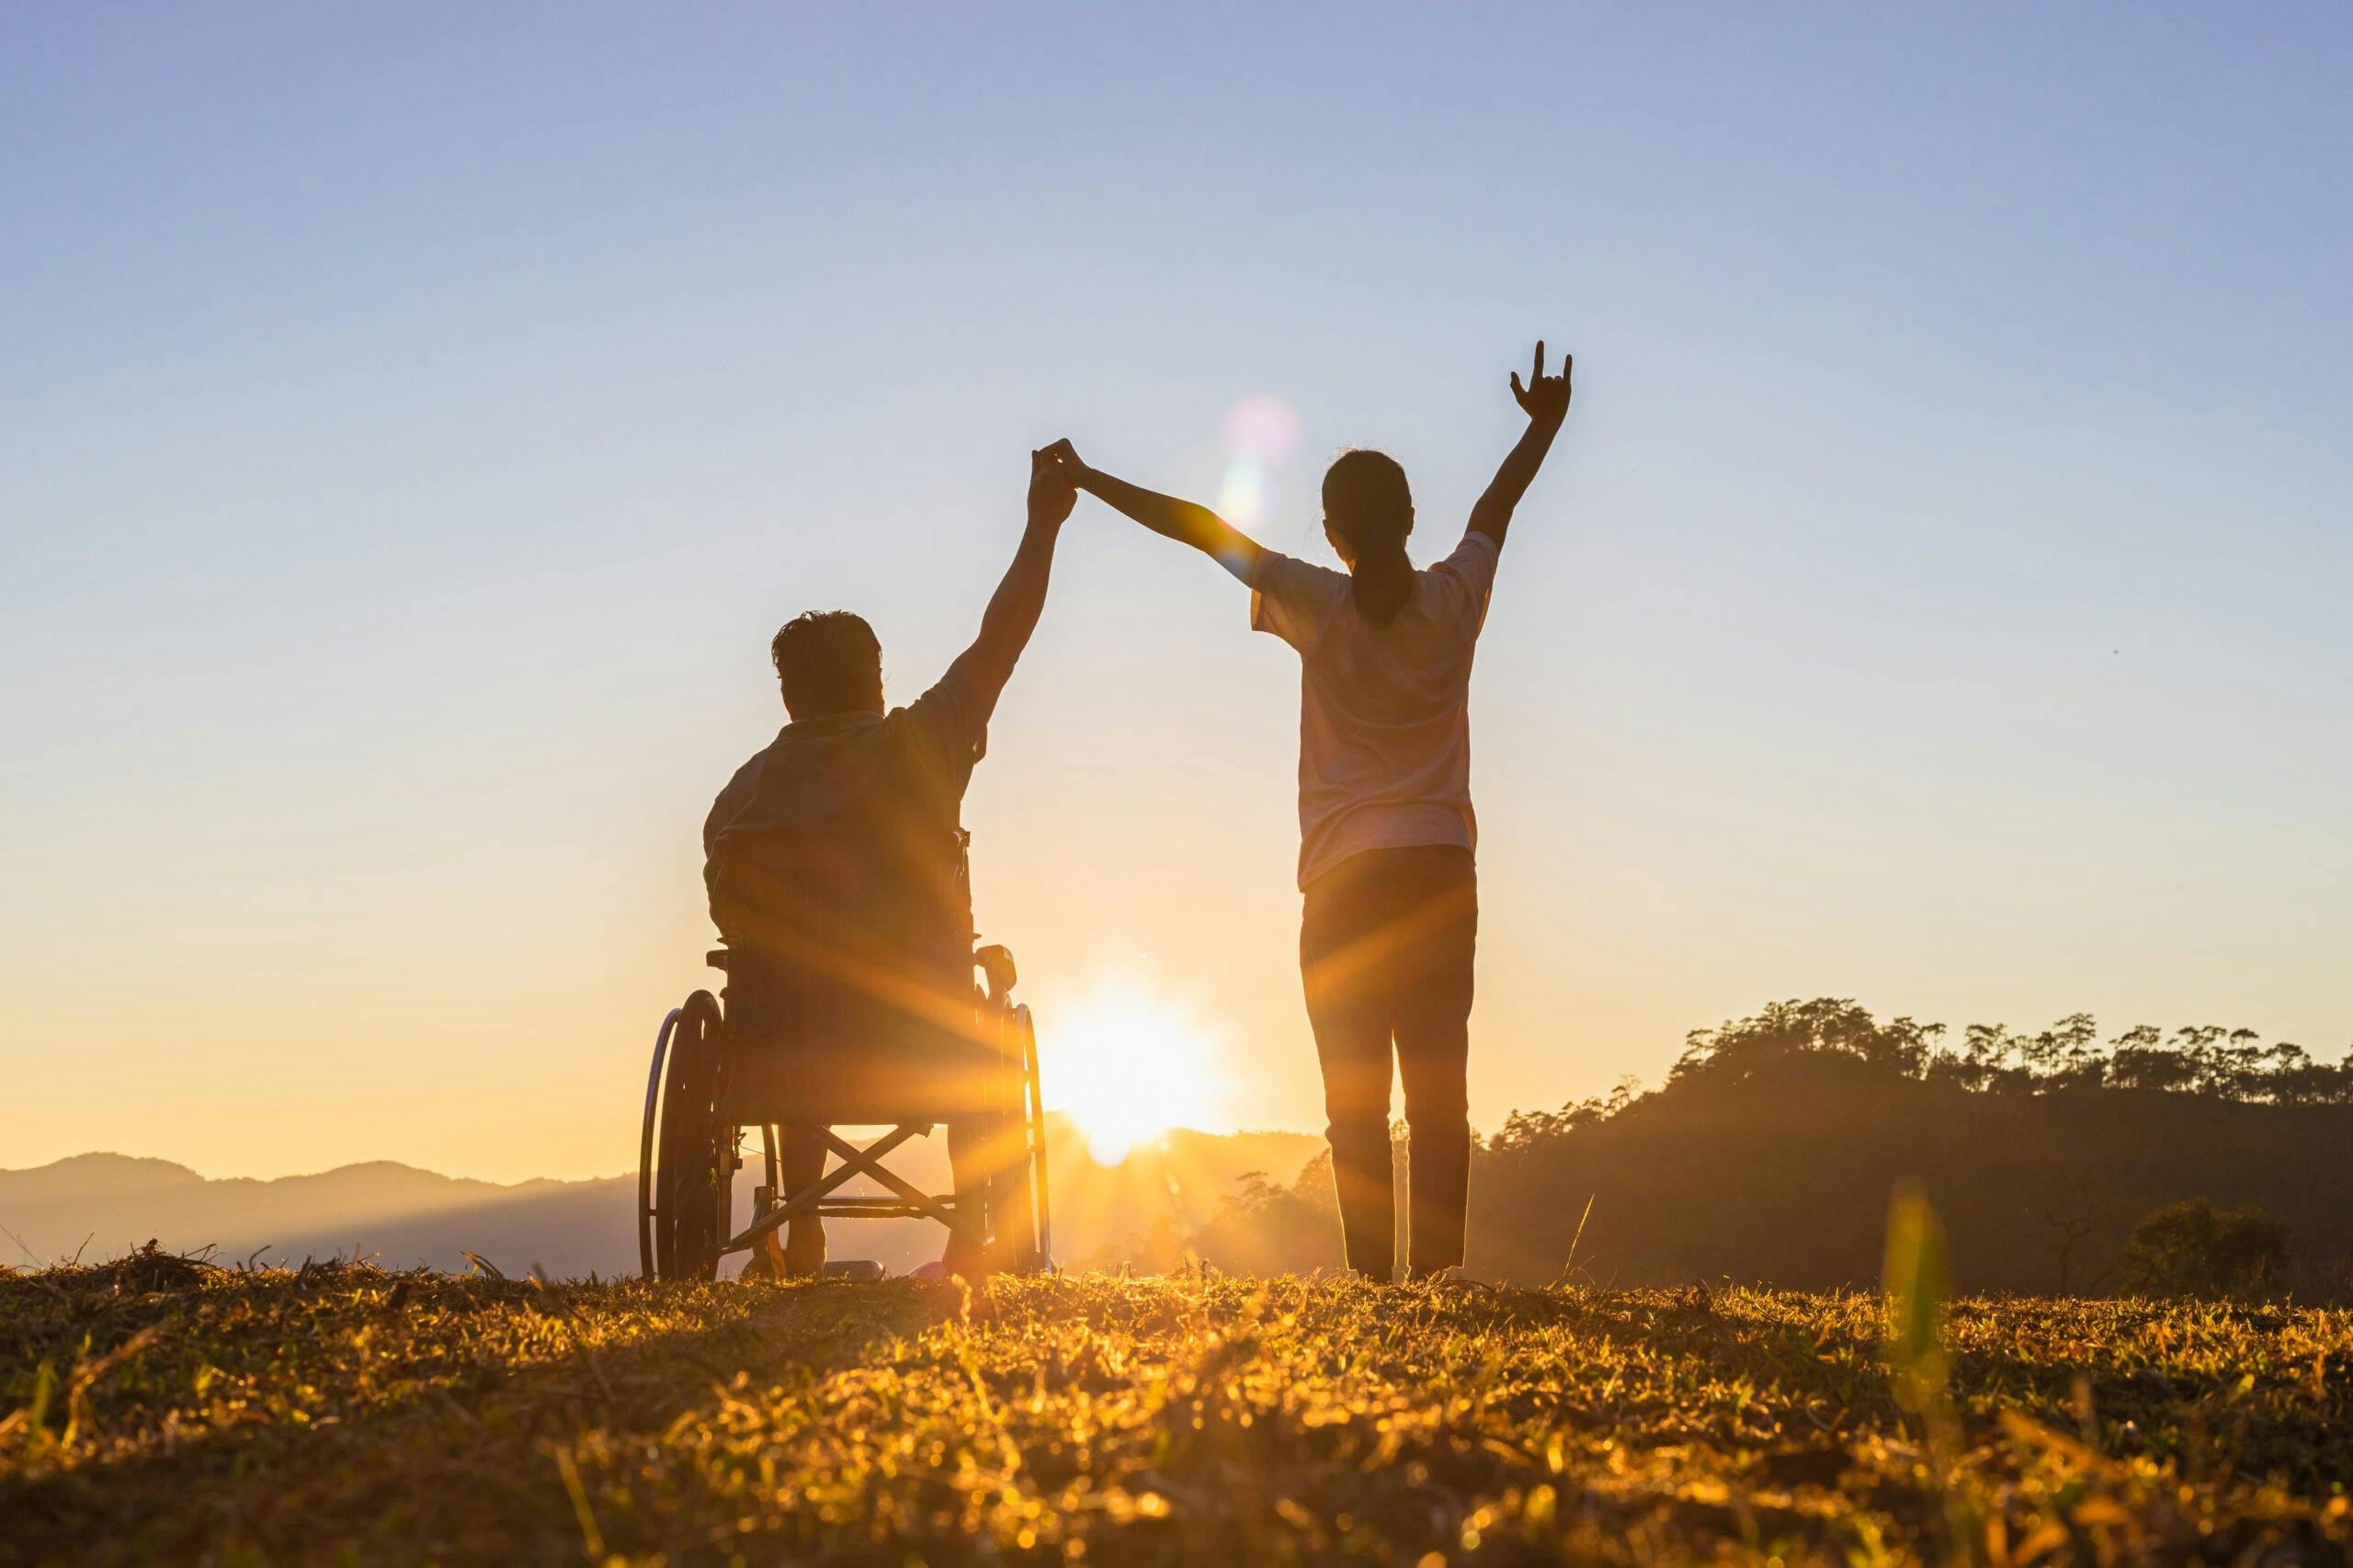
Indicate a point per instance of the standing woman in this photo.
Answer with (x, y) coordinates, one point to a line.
(1391, 898)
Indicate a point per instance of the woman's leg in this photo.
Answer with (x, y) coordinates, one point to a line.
(1346, 1006)
(1433, 1024)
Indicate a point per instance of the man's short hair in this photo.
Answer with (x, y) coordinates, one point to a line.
(828, 661)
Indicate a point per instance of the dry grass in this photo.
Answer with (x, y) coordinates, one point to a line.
(156, 1409)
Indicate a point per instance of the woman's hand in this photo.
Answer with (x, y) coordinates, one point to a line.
(1066, 456)
(1545, 399)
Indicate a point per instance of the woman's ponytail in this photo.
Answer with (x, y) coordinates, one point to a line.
(1368, 513)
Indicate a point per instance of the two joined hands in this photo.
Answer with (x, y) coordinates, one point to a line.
(1055, 473)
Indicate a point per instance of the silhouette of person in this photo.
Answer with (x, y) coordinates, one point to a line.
(1390, 915)
(833, 859)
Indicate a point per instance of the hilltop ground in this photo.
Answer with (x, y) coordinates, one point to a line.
(155, 1408)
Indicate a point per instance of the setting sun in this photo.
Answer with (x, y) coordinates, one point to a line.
(1127, 1067)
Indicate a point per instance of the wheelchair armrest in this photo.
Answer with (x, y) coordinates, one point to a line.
(997, 962)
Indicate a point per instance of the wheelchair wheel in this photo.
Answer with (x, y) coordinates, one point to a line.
(1033, 1104)
(689, 1181)
(1018, 1197)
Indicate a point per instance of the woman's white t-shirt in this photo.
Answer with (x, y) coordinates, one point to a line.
(1385, 723)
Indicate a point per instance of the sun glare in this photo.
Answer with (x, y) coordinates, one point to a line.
(1127, 1067)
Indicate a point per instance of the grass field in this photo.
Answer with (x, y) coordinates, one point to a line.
(153, 1408)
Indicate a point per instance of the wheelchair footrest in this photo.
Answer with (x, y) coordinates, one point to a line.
(878, 1204)
(903, 1211)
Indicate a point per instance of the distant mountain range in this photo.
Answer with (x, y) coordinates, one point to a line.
(102, 1205)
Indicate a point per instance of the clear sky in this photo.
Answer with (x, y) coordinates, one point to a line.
(414, 421)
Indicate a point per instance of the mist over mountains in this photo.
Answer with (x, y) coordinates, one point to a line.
(101, 1205)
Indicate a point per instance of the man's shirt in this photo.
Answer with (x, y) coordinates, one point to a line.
(848, 826)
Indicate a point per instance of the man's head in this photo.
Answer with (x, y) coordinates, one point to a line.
(828, 662)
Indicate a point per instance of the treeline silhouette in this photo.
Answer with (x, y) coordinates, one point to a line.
(1770, 1153)
(2202, 1058)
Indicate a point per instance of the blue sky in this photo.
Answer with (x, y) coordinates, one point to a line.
(415, 423)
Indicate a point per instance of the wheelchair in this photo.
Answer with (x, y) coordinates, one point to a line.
(785, 1054)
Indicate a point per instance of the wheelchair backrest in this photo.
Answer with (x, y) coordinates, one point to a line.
(850, 994)
(859, 888)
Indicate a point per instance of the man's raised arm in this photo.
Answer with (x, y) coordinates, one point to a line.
(1187, 522)
(1545, 400)
(987, 664)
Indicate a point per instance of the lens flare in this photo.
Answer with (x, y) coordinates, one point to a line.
(1262, 426)
(1242, 498)
(1260, 433)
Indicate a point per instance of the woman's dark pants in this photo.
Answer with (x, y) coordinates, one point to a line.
(1385, 950)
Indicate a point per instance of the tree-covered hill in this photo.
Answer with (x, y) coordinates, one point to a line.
(1769, 1154)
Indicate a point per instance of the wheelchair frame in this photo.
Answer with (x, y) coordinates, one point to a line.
(689, 1148)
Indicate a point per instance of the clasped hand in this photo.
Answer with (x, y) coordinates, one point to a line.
(1054, 484)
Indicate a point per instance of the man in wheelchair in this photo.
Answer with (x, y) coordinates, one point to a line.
(835, 863)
